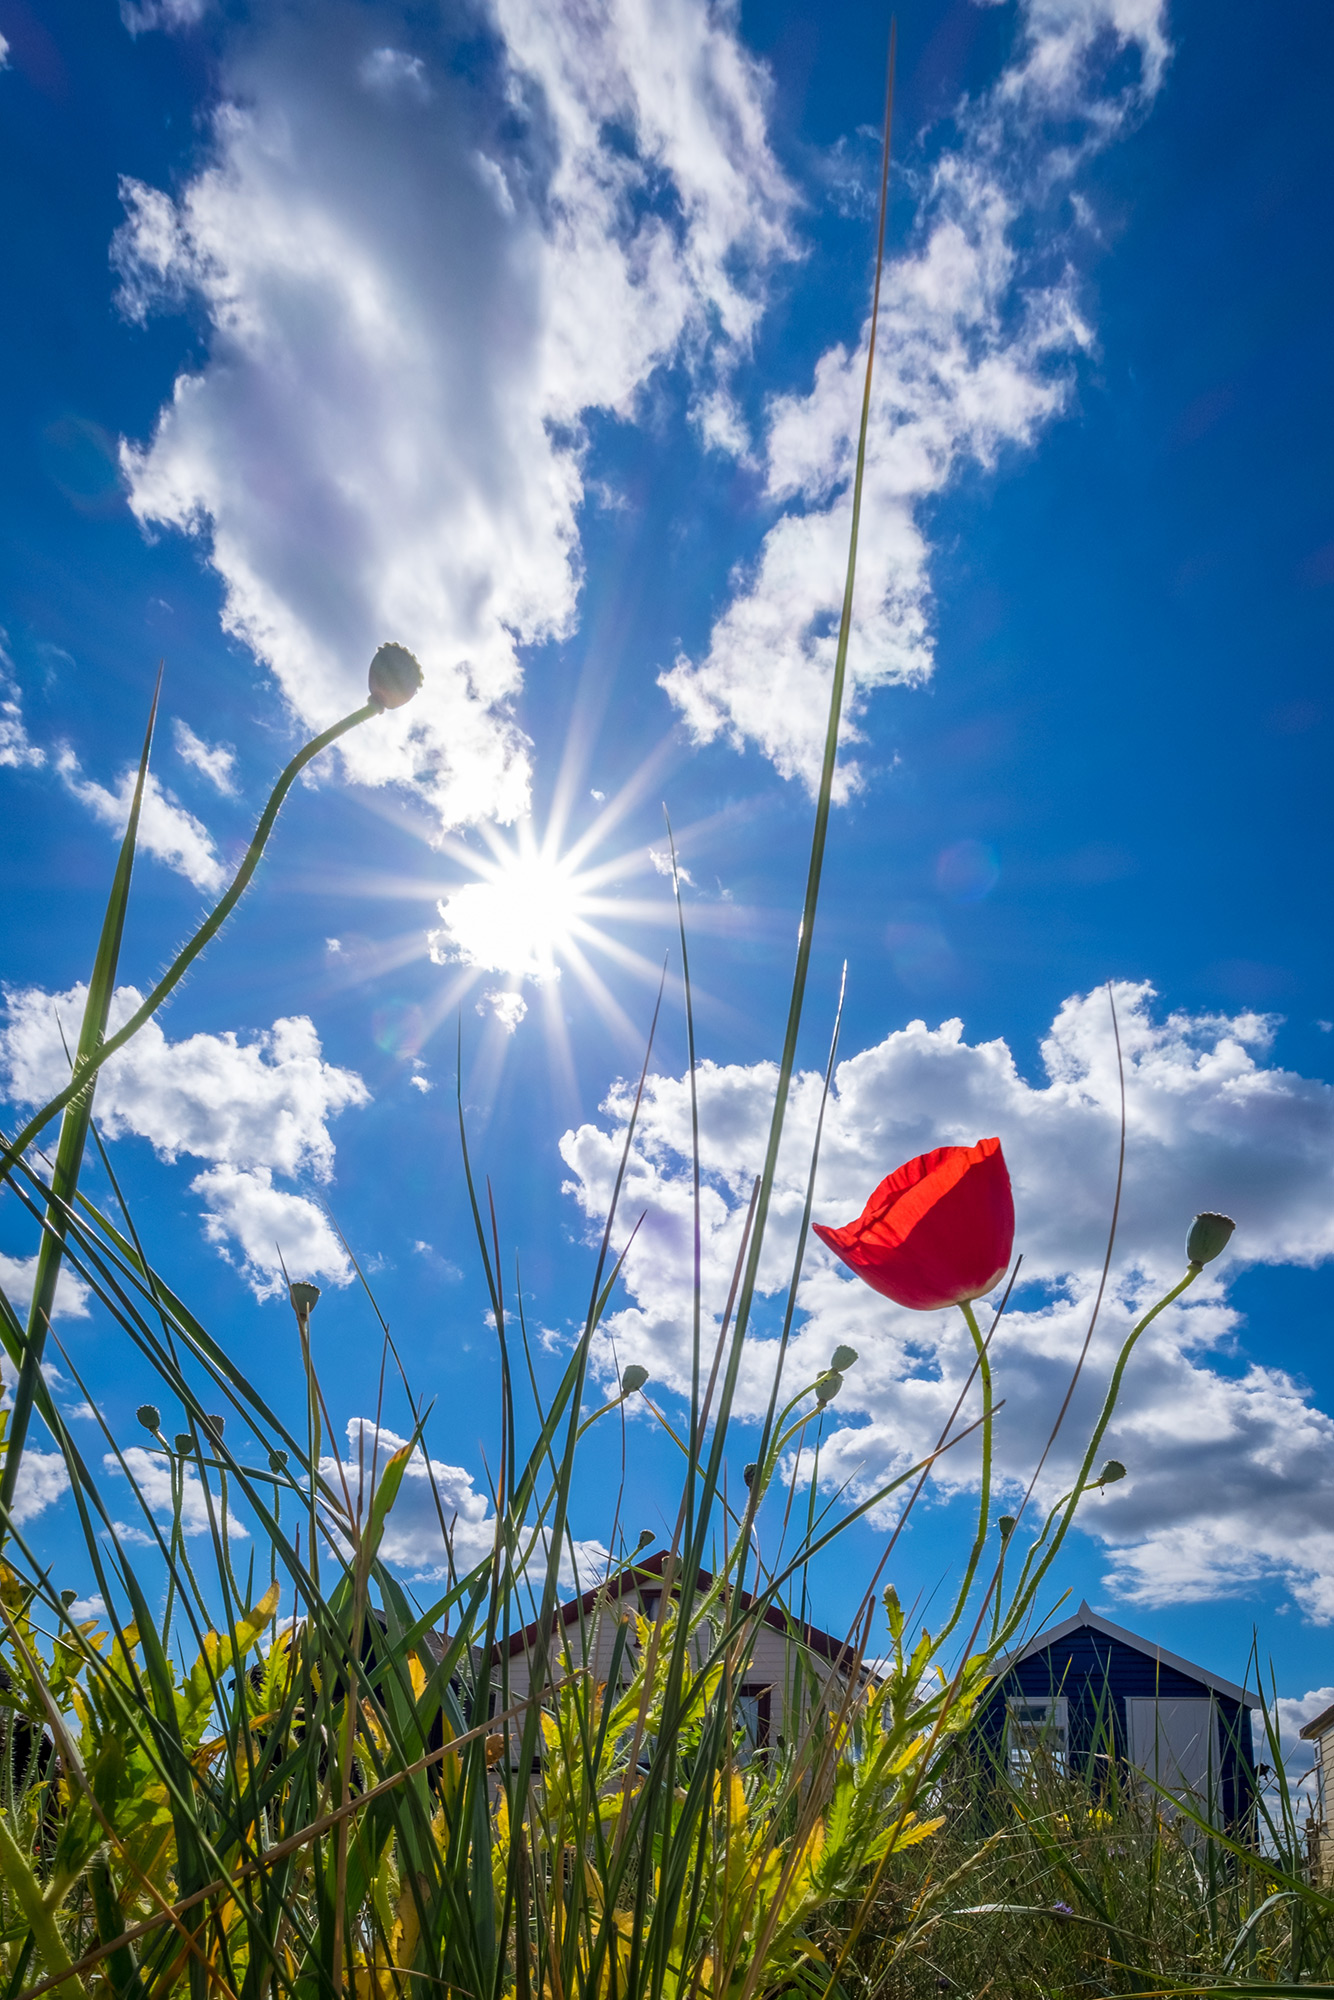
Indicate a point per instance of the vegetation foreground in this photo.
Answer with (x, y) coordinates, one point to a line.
(300, 1781)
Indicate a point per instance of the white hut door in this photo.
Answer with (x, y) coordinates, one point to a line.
(1175, 1740)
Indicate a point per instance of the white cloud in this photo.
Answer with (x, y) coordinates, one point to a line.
(976, 339)
(88, 1607)
(662, 864)
(1231, 1471)
(166, 829)
(508, 1007)
(386, 438)
(140, 17)
(251, 1109)
(271, 1227)
(151, 1473)
(42, 1481)
(15, 747)
(390, 71)
(214, 761)
(16, 1281)
(431, 1490)
(1292, 1711)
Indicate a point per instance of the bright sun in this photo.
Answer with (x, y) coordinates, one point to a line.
(521, 918)
(533, 913)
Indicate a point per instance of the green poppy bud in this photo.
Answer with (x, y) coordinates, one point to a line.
(394, 676)
(843, 1358)
(304, 1298)
(277, 1461)
(1208, 1237)
(68, 1597)
(185, 1444)
(828, 1387)
(634, 1378)
(748, 1473)
(213, 1427)
(646, 1535)
(150, 1417)
(1111, 1472)
(1007, 1525)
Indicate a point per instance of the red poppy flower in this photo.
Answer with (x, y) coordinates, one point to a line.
(937, 1232)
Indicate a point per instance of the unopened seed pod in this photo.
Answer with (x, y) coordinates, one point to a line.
(1208, 1238)
(394, 677)
(843, 1359)
(1111, 1472)
(150, 1417)
(304, 1298)
(828, 1386)
(634, 1378)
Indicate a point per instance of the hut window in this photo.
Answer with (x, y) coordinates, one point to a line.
(1035, 1726)
(650, 1600)
(753, 1717)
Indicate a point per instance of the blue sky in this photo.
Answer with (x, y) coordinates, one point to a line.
(531, 349)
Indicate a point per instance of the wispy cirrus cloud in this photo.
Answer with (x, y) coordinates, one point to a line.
(395, 257)
(981, 323)
(1231, 1469)
(252, 1109)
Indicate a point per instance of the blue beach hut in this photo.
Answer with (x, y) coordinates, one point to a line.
(1087, 1688)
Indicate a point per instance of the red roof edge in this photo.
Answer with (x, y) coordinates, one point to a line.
(838, 1651)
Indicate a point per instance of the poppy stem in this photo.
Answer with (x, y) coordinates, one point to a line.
(1028, 1586)
(87, 1066)
(984, 1504)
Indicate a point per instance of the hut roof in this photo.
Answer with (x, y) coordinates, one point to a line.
(1086, 1616)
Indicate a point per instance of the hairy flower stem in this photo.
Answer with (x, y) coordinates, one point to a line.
(988, 1424)
(1028, 1586)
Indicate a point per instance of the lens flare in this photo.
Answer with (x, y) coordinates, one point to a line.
(968, 871)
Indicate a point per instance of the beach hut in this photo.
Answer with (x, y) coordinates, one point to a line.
(791, 1665)
(1086, 1689)
(1319, 1732)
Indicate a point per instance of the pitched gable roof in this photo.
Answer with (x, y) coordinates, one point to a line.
(1086, 1616)
(636, 1574)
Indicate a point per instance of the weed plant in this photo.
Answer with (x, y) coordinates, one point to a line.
(1045, 1879)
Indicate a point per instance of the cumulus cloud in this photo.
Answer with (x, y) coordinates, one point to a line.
(1231, 1470)
(42, 1481)
(214, 761)
(395, 254)
(151, 1473)
(508, 1007)
(17, 1276)
(976, 340)
(251, 1109)
(435, 1500)
(1292, 1712)
(166, 829)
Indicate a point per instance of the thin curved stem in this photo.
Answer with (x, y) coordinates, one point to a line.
(86, 1068)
